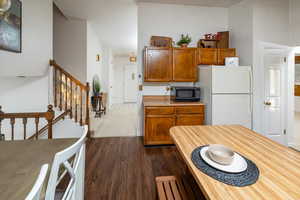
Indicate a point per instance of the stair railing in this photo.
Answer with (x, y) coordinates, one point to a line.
(48, 116)
(70, 94)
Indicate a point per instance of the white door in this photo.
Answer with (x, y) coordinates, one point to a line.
(274, 126)
(130, 84)
(231, 80)
(232, 110)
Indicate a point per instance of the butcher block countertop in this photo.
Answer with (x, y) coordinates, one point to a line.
(155, 101)
(279, 166)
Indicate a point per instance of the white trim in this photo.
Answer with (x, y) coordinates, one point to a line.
(266, 48)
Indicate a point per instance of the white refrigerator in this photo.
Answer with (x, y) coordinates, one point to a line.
(227, 93)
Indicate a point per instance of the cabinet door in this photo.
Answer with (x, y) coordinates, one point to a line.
(157, 64)
(207, 56)
(185, 65)
(223, 53)
(189, 119)
(157, 129)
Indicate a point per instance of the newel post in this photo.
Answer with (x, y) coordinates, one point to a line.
(49, 117)
(87, 119)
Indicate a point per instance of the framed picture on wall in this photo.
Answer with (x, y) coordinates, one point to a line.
(11, 25)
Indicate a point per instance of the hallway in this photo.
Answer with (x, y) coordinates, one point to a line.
(120, 121)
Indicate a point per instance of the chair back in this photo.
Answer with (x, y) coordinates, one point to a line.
(75, 169)
(37, 188)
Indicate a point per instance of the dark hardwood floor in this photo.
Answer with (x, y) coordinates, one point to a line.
(123, 169)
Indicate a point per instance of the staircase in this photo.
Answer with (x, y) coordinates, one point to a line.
(70, 98)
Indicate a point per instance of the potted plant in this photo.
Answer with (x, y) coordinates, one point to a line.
(184, 41)
(97, 88)
(96, 91)
(96, 85)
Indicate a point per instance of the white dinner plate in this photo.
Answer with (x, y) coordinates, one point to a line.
(238, 164)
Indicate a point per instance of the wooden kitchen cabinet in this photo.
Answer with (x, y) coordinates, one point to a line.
(223, 53)
(189, 119)
(157, 129)
(207, 56)
(158, 64)
(213, 56)
(170, 64)
(159, 119)
(185, 65)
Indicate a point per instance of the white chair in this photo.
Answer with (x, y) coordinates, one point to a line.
(76, 169)
(37, 188)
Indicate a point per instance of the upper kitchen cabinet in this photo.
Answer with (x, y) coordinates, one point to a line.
(207, 56)
(214, 56)
(158, 64)
(223, 53)
(185, 65)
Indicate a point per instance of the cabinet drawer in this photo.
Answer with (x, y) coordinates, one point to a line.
(159, 110)
(190, 110)
(189, 119)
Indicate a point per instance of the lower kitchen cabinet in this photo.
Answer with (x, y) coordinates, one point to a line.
(157, 129)
(159, 120)
(189, 120)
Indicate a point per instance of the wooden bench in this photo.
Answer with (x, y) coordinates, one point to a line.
(170, 188)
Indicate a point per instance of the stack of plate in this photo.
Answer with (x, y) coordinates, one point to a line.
(223, 158)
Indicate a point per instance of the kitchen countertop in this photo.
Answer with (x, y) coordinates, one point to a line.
(166, 101)
(278, 165)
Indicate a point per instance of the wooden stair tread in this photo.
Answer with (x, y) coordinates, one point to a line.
(172, 188)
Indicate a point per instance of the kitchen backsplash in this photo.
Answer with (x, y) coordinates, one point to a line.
(161, 89)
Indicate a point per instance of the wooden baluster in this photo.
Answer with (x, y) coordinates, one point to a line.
(87, 117)
(66, 93)
(49, 117)
(60, 91)
(55, 85)
(12, 123)
(37, 127)
(71, 99)
(76, 103)
(24, 126)
(81, 121)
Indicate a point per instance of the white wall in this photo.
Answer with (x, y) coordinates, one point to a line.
(241, 31)
(23, 95)
(70, 45)
(93, 48)
(295, 22)
(173, 20)
(36, 42)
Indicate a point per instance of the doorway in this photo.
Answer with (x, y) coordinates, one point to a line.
(122, 117)
(274, 96)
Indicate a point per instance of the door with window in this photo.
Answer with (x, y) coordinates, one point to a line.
(274, 124)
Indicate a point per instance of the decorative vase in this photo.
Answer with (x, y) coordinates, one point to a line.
(184, 45)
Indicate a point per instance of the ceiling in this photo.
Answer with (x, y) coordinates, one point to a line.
(115, 21)
(209, 3)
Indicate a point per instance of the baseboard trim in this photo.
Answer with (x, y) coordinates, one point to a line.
(294, 146)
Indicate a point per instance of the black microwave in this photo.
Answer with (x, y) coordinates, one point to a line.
(185, 94)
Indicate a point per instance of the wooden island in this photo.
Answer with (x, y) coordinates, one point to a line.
(279, 165)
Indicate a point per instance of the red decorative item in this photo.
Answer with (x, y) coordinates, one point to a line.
(218, 36)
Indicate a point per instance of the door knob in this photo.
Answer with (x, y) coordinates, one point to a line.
(267, 103)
